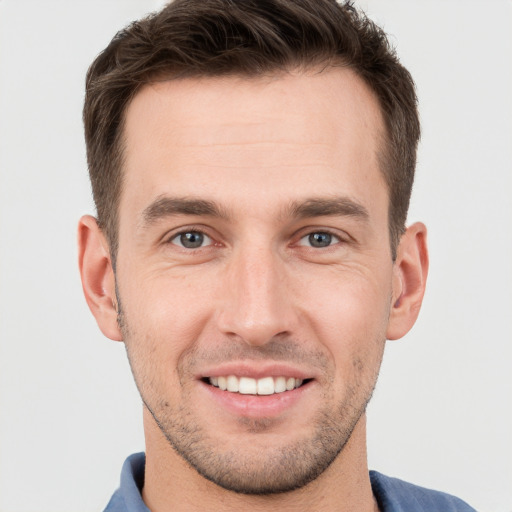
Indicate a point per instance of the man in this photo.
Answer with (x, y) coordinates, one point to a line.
(251, 164)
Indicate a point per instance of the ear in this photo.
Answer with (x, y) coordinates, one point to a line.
(98, 280)
(409, 280)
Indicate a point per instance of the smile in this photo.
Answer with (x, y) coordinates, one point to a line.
(250, 386)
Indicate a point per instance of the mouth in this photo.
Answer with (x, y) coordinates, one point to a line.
(258, 391)
(250, 386)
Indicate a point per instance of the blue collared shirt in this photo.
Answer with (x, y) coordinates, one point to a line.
(392, 494)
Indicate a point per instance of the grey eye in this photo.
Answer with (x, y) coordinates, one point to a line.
(191, 240)
(319, 239)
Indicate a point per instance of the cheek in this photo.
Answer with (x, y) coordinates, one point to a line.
(167, 305)
(349, 313)
(162, 319)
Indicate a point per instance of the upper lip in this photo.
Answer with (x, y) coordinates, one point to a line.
(255, 370)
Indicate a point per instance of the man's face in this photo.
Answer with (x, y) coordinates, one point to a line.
(254, 253)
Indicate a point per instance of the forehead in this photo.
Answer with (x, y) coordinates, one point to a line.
(233, 136)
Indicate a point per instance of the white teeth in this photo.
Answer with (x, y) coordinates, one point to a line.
(249, 386)
(280, 384)
(266, 386)
(232, 384)
(222, 383)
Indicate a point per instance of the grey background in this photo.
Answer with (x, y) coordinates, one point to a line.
(441, 415)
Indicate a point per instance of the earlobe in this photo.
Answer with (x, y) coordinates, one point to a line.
(98, 280)
(409, 280)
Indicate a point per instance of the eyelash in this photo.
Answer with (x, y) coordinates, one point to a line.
(334, 238)
(196, 230)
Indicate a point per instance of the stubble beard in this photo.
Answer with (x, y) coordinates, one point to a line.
(278, 470)
(289, 467)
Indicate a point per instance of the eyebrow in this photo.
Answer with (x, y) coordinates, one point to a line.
(169, 206)
(337, 206)
(164, 207)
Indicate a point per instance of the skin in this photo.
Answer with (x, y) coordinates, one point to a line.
(252, 165)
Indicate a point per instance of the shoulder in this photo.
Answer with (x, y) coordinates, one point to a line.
(116, 503)
(394, 495)
(128, 497)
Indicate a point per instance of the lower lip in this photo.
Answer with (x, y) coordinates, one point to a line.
(257, 406)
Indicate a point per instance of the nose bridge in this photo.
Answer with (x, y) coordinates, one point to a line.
(256, 307)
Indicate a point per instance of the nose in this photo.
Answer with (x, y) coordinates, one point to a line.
(256, 303)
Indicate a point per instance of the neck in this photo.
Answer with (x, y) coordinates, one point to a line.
(171, 484)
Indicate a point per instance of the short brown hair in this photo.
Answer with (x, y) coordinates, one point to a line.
(198, 38)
